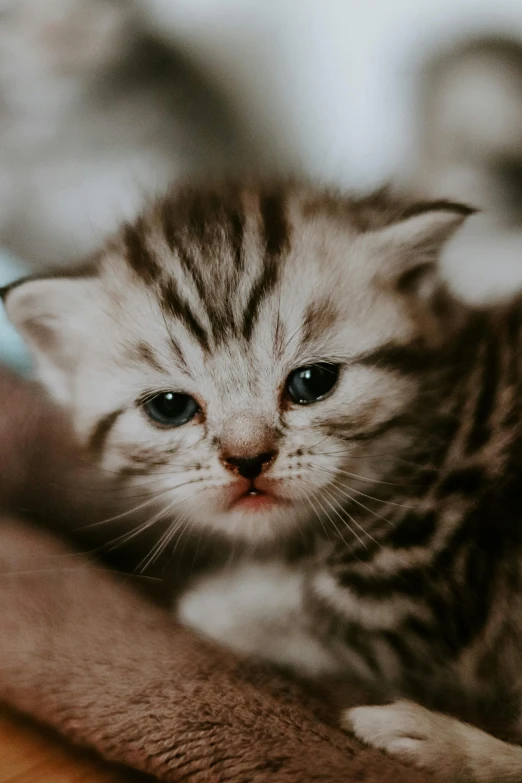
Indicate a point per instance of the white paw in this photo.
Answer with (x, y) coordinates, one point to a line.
(416, 735)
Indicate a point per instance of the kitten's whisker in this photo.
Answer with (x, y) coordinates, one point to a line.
(346, 451)
(393, 458)
(126, 513)
(123, 539)
(153, 498)
(318, 516)
(113, 488)
(196, 552)
(154, 475)
(122, 496)
(123, 514)
(352, 519)
(380, 500)
(359, 492)
(337, 513)
(133, 460)
(291, 337)
(318, 443)
(126, 537)
(74, 569)
(161, 544)
(180, 525)
(345, 494)
(369, 510)
(184, 528)
(169, 534)
(324, 511)
(334, 471)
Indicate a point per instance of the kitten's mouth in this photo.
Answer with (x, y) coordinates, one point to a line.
(255, 499)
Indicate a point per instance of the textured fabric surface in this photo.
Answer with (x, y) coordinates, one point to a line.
(83, 652)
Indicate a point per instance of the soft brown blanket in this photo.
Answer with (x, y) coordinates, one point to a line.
(83, 651)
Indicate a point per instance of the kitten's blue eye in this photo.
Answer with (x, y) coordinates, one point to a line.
(310, 384)
(171, 409)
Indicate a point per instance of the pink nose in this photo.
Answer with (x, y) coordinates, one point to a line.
(247, 445)
(249, 467)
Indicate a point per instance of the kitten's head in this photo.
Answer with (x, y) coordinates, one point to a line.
(245, 355)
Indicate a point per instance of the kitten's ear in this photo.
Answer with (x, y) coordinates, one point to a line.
(52, 315)
(411, 247)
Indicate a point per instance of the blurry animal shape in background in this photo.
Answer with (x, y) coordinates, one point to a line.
(96, 114)
(471, 126)
(470, 148)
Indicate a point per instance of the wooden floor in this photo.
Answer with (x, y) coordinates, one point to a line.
(31, 755)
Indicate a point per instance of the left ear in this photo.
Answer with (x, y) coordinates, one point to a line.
(410, 248)
(54, 316)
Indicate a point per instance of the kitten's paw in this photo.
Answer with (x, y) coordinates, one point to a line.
(414, 734)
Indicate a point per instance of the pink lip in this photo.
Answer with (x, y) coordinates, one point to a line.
(254, 496)
(255, 501)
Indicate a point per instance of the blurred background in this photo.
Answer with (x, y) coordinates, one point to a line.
(103, 103)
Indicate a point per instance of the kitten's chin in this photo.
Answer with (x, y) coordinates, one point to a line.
(252, 512)
(258, 520)
(256, 502)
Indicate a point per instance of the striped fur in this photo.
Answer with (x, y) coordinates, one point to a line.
(405, 479)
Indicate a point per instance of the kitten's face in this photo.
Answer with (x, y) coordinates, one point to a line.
(227, 356)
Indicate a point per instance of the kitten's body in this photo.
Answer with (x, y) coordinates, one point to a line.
(402, 476)
(429, 560)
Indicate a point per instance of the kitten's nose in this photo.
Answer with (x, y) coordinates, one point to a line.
(249, 467)
(247, 445)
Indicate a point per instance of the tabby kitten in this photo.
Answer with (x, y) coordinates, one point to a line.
(269, 362)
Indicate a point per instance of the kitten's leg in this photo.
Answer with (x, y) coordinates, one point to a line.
(454, 751)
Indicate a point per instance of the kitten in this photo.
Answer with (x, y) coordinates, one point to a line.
(95, 112)
(273, 362)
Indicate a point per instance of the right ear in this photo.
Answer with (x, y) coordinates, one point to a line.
(53, 315)
(411, 247)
